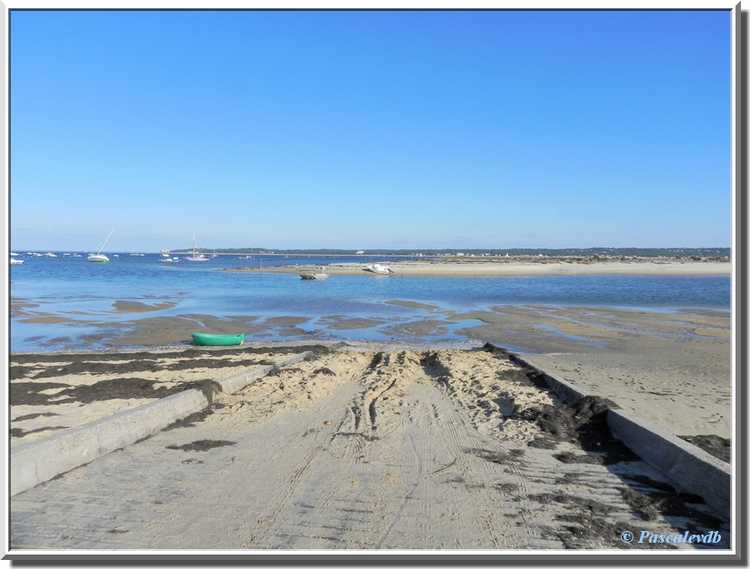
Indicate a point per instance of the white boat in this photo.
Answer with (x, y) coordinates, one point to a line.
(50, 255)
(12, 254)
(195, 256)
(378, 269)
(310, 276)
(98, 257)
(165, 253)
(16, 261)
(115, 255)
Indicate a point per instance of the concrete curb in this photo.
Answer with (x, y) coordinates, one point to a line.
(34, 463)
(688, 467)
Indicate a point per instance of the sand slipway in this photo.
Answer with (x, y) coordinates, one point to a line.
(691, 469)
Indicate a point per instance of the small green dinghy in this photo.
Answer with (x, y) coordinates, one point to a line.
(200, 339)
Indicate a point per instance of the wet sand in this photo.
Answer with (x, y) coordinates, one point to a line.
(500, 268)
(129, 306)
(353, 448)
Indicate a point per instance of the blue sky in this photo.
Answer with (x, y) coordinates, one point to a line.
(370, 129)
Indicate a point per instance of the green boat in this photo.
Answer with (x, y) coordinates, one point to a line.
(200, 339)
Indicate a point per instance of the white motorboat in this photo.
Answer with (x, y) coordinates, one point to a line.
(378, 269)
(12, 254)
(165, 253)
(16, 261)
(310, 276)
(98, 257)
(50, 255)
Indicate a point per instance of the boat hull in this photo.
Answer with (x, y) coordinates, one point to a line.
(200, 339)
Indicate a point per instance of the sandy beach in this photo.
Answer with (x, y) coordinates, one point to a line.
(512, 268)
(352, 448)
(671, 368)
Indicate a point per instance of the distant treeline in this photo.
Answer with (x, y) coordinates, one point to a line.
(601, 251)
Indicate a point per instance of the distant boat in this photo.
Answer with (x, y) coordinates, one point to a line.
(169, 260)
(360, 252)
(165, 253)
(195, 256)
(137, 254)
(16, 261)
(378, 269)
(50, 255)
(12, 254)
(115, 255)
(310, 276)
(98, 257)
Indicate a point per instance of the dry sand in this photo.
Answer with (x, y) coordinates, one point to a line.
(499, 268)
(53, 392)
(435, 449)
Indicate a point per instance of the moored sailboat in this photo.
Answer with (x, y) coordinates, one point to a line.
(195, 256)
(99, 257)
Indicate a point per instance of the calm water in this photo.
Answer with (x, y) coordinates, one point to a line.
(77, 289)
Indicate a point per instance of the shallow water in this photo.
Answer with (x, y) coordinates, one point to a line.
(84, 292)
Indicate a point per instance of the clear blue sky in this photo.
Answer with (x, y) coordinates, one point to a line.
(443, 129)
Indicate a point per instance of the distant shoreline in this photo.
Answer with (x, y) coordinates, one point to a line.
(484, 268)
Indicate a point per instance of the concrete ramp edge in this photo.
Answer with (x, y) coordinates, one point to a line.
(37, 462)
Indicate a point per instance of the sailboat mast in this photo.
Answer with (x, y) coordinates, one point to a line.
(105, 243)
